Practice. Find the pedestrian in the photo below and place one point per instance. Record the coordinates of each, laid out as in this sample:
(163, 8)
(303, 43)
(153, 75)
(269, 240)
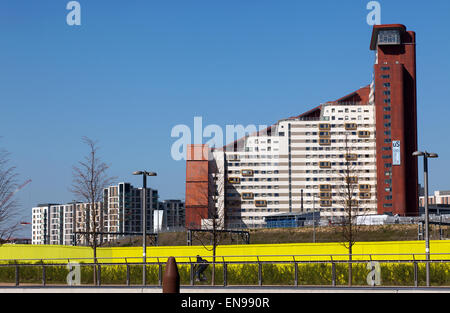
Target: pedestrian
(201, 265)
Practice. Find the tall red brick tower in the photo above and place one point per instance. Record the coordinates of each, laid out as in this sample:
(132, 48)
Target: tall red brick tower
(396, 119)
(197, 176)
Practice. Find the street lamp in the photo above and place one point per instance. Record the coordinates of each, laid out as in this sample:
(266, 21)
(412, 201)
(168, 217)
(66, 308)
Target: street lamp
(426, 155)
(144, 220)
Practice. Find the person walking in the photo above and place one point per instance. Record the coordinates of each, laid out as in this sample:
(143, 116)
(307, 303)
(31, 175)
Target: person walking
(201, 265)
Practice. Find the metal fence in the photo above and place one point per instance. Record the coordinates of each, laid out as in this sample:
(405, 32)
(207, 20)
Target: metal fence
(282, 270)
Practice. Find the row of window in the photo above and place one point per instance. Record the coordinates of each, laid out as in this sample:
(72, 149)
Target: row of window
(238, 180)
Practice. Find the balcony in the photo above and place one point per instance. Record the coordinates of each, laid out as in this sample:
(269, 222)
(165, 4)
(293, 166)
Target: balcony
(260, 203)
(325, 195)
(247, 173)
(324, 134)
(364, 188)
(364, 134)
(234, 180)
(247, 195)
(351, 126)
(325, 164)
(364, 195)
(325, 142)
(325, 203)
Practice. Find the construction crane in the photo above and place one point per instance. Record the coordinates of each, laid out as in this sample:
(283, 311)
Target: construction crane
(14, 192)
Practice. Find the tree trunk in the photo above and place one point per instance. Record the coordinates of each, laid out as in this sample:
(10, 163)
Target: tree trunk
(213, 274)
(350, 272)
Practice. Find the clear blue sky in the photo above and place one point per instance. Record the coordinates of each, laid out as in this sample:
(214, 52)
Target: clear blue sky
(135, 69)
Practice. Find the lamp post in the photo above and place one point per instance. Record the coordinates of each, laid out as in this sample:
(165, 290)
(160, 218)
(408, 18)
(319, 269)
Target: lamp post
(426, 155)
(144, 220)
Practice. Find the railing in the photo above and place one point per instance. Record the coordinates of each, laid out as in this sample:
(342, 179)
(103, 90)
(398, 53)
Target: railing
(283, 270)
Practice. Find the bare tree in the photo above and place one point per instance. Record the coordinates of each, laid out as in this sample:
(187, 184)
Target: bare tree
(89, 180)
(8, 204)
(349, 187)
(213, 219)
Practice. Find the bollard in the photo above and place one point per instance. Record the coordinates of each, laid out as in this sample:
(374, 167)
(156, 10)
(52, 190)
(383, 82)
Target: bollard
(171, 278)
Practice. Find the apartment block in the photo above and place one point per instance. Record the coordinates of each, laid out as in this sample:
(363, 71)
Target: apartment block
(57, 224)
(123, 207)
(118, 215)
(439, 197)
(173, 214)
(298, 165)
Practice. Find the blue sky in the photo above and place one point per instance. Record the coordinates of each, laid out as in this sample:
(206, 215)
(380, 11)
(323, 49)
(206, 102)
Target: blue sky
(135, 69)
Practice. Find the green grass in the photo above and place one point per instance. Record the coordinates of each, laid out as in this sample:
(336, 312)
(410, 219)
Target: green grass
(296, 235)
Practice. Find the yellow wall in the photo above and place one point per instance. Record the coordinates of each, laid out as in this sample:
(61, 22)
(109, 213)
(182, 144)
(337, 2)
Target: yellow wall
(323, 250)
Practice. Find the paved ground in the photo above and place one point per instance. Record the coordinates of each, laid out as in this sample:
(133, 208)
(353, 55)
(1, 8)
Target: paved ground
(284, 290)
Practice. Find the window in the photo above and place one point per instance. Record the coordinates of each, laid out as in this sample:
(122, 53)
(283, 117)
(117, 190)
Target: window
(387, 117)
(325, 142)
(385, 76)
(234, 180)
(260, 203)
(385, 68)
(324, 126)
(387, 85)
(364, 187)
(364, 134)
(247, 172)
(352, 203)
(247, 195)
(324, 134)
(364, 195)
(325, 164)
(325, 203)
(325, 187)
(325, 195)
(351, 126)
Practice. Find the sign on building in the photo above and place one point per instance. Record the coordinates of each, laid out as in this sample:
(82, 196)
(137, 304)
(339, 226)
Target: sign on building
(396, 152)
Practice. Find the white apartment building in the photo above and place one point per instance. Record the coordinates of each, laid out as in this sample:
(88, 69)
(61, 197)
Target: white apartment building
(57, 224)
(439, 197)
(299, 166)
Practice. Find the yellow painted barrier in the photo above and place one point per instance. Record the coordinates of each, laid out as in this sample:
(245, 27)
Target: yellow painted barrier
(386, 250)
